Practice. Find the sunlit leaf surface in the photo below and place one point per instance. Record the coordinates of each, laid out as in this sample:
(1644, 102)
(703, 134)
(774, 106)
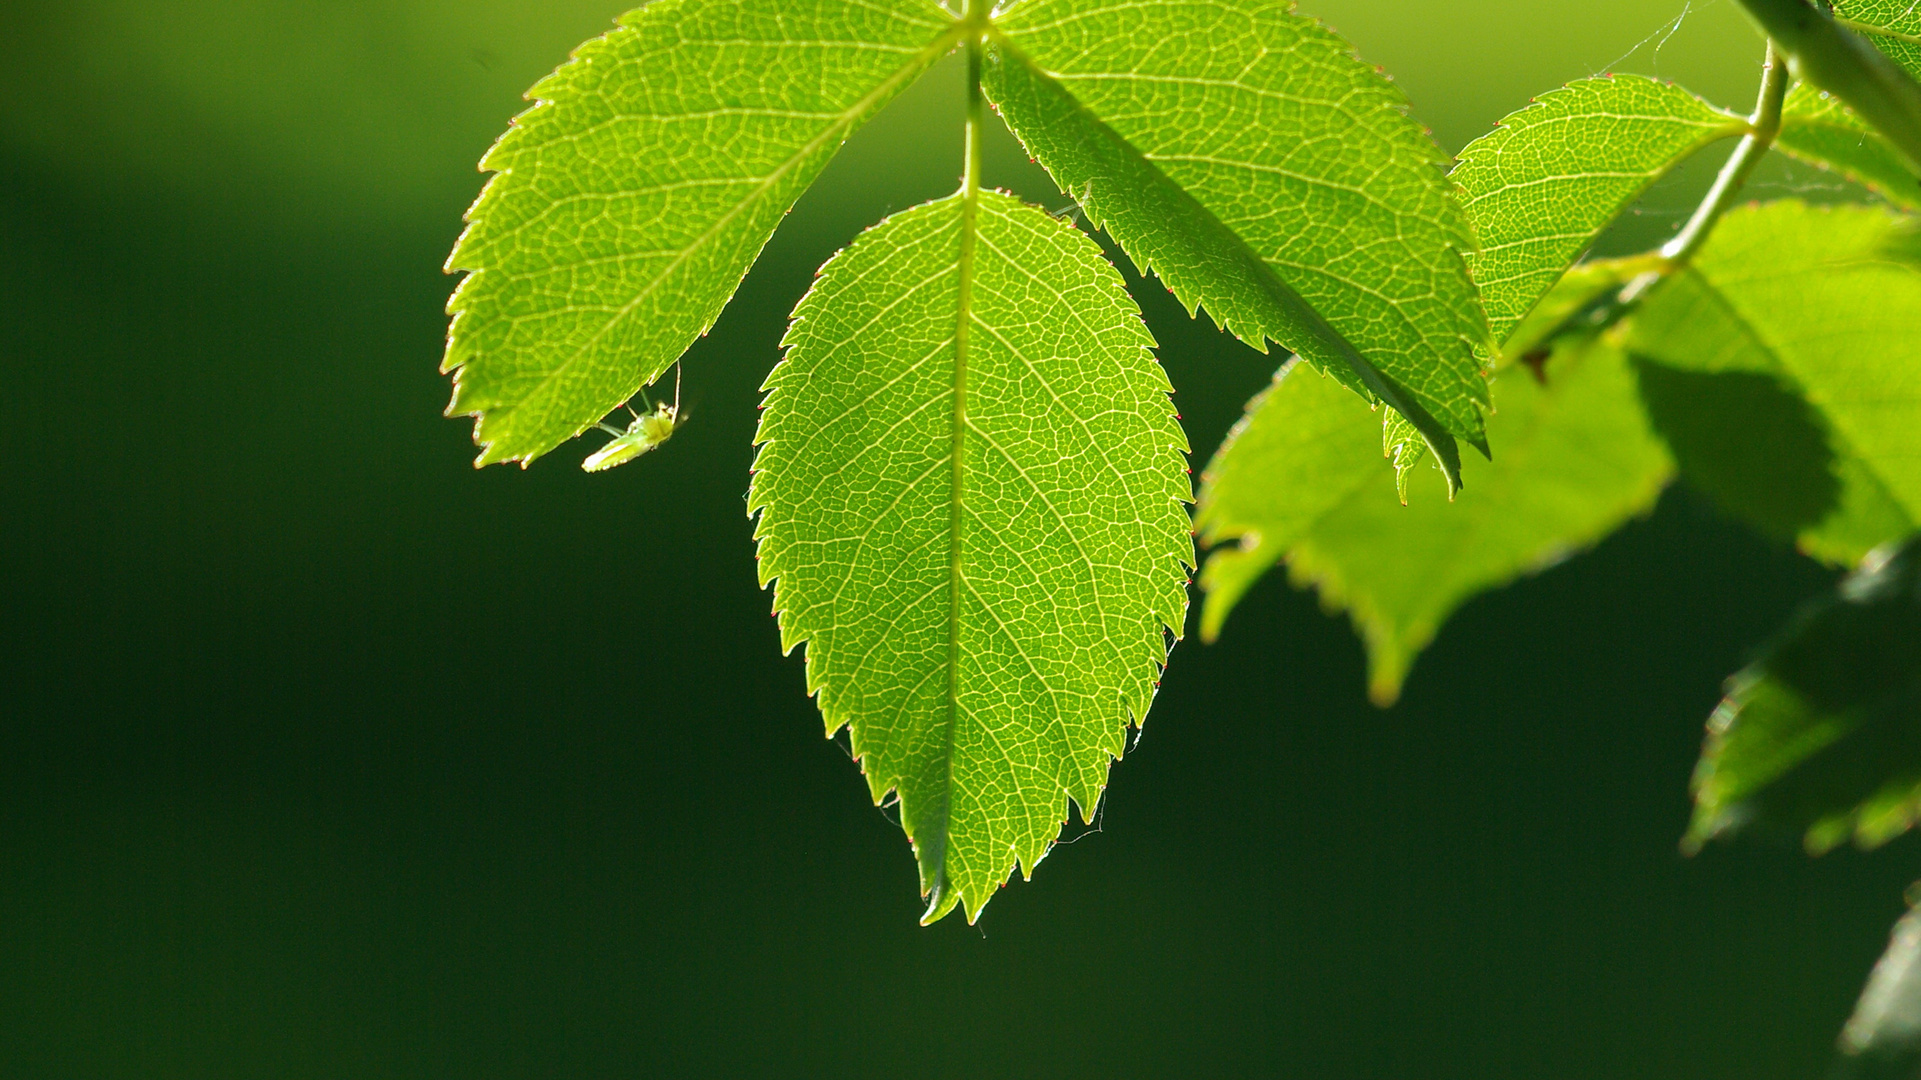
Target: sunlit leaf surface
(1784, 368)
(629, 201)
(1243, 154)
(1893, 25)
(1573, 460)
(1552, 176)
(984, 549)
(1817, 127)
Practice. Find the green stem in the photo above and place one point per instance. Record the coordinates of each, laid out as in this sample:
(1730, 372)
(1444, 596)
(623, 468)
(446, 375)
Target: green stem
(1842, 62)
(1763, 126)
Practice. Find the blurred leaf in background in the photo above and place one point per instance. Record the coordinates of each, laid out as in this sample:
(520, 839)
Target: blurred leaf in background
(1822, 733)
(1882, 1039)
(1574, 461)
(1784, 370)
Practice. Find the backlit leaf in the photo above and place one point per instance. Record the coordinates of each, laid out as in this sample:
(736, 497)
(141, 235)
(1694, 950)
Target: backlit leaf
(984, 549)
(1817, 127)
(1784, 369)
(1552, 176)
(1243, 154)
(1574, 459)
(1893, 25)
(629, 201)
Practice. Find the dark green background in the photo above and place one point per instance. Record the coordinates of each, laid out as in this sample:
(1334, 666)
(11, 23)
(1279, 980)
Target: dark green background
(326, 756)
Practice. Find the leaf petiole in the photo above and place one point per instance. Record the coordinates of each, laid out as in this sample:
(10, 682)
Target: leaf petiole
(1763, 126)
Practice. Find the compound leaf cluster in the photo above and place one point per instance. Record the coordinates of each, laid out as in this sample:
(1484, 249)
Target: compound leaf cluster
(1777, 368)
(970, 484)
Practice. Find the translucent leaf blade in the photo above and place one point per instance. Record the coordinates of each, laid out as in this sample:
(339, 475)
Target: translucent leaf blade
(1574, 461)
(627, 204)
(1785, 370)
(1297, 155)
(1303, 449)
(1893, 25)
(1552, 176)
(987, 632)
(1816, 127)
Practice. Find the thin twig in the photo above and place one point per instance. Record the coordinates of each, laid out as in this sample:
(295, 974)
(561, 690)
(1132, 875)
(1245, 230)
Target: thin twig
(1763, 126)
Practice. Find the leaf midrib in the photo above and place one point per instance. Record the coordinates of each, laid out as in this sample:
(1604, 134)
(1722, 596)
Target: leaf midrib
(957, 446)
(1872, 30)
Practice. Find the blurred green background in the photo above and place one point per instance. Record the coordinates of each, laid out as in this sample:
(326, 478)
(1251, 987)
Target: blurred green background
(325, 755)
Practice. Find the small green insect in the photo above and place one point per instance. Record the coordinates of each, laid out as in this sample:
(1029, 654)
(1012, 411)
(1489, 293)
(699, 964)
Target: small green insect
(649, 429)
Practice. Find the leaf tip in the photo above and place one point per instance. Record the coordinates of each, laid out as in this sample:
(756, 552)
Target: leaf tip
(941, 900)
(1384, 690)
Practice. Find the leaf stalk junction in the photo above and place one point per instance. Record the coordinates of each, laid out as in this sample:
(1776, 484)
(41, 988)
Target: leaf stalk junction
(1763, 127)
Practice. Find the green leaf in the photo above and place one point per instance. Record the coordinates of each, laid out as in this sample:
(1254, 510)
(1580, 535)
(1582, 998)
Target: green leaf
(1404, 449)
(1885, 1028)
(1893, 25)
(983, 544)
(1552, 176)
(1784, 369)
(1244, 155)
(1822, 733)
(630, 200)
(1816, 127)
(1295, 481)
(1761, 453)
